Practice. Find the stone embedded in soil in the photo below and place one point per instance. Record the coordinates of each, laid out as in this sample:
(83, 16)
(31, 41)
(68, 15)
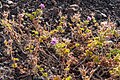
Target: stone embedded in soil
(1, 5)
(74, 5)
(39, 78)
(99, 16)
(118, 23)
(10, 2)
(108, 7)
(104, 15)
(7, 1)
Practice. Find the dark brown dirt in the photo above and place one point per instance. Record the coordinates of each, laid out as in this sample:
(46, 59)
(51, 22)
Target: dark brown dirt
(108, 7)
(85, 7)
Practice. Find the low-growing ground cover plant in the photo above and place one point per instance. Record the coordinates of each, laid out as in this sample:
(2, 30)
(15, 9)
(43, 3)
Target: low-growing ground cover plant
(69, 49)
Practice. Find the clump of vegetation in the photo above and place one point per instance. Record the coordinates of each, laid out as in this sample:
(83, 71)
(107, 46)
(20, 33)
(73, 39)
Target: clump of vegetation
(72, 49)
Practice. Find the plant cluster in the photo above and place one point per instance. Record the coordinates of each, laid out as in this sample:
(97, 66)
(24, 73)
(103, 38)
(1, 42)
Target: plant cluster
(69, 49)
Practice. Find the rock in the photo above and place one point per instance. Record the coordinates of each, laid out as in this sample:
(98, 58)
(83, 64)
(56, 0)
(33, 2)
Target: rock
(74, 7)
(1, 39)
(104, 15)
(5, 7)
(118, 23)
(54, 11)
(30, 10)
(10, 2)
(7, 1)
(14, 11)
(100, 15)
(1, 5)
(39, 78)
(110, 6)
